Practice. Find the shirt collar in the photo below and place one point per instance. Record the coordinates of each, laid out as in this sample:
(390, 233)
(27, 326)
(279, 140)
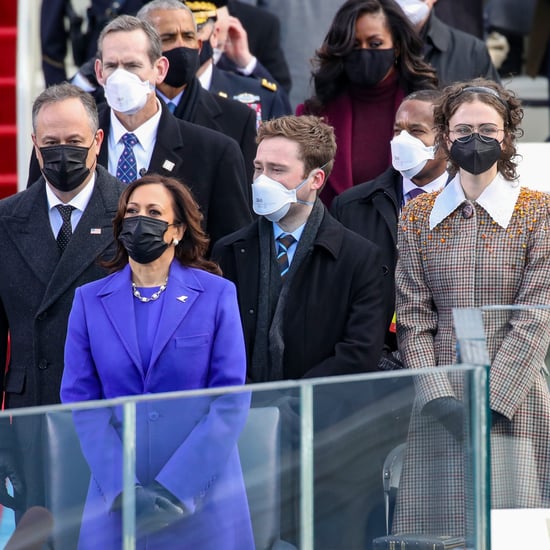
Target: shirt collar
(175, 100)
(145, 134)
(297, 233)
(498, 199)
(79, 201)
(206, 77)
(435, 185)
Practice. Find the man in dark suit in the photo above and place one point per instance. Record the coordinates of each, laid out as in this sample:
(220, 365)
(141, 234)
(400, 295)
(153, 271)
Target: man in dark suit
(372, 209)
(73, 203)
(130, 65)
(454, 54)
(310, 295)
(182, 91)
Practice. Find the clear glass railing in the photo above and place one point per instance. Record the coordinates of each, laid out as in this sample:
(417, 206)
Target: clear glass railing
(515, 341)
(334, 463)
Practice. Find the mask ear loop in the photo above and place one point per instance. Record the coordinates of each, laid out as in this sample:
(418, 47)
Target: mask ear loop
(309, 203)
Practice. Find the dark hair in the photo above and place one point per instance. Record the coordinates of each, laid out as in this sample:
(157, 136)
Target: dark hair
(329, 78)
(192, 249)
(505, 103)
(62, 92)
(315, 139)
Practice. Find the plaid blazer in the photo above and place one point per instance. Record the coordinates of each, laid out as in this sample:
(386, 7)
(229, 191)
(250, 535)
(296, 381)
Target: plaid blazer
(469, 262)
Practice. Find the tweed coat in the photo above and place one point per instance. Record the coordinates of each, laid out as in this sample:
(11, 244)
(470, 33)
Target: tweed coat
(37, 286)
(470, 260)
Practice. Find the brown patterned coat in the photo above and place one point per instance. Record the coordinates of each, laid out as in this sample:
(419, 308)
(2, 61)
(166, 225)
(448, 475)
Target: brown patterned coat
(470, 262)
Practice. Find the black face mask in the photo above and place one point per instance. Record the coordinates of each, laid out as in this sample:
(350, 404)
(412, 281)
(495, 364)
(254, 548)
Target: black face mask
(65, 165)
(184, 63)
(476, 156)
(368, 67)
(206, 53)
(143, 238)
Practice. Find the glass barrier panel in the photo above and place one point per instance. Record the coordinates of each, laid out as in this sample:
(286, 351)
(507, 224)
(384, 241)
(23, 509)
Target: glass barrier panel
(324, 463)
(516, 340)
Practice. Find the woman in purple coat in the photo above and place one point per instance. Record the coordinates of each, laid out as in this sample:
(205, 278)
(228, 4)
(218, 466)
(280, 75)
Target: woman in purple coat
(163, 321)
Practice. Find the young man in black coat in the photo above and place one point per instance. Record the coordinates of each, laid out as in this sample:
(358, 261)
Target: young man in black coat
(310, 296)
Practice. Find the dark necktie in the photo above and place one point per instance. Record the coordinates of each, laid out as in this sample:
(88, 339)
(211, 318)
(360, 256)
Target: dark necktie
(283, 243)
(413, 193)
(66, 231)
(127, 167)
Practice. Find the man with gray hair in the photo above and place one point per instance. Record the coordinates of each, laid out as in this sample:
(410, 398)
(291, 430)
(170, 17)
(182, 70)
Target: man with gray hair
(50, 238)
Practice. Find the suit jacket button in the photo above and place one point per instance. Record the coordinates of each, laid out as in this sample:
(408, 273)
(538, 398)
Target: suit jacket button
(153, 416)
(251, 311)
(242, 250)
(43, 364)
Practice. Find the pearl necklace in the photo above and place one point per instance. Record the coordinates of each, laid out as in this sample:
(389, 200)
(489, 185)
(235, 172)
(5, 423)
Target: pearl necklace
(154, 296)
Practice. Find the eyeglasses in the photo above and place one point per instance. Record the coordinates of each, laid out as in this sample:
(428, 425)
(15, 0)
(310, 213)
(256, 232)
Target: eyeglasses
(465, 132)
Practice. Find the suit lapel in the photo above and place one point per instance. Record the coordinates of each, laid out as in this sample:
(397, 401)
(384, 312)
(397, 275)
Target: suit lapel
(30, 230)
(181, 292)
(105, 125)
(169, 147)
(118, 301)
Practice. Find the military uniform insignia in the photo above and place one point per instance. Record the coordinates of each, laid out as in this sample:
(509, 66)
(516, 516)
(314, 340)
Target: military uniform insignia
(271, 86)
(223, 94)
(246, 97)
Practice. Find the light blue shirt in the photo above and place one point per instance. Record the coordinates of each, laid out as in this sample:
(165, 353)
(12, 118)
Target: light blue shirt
(297, 234)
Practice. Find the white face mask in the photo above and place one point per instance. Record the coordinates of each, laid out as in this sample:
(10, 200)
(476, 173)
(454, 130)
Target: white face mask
(409, 155)
(415, 10)
(272, 199)
(125, 92)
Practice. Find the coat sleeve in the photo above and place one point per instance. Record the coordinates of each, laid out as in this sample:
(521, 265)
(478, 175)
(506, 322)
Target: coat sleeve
(6, 434)
(417, 318)
(202, 457)
(520, 358)
(360, 347)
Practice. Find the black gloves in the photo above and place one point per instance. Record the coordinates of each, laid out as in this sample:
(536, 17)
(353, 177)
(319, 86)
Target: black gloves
(8, 470)
(449, 412)
(156, 508)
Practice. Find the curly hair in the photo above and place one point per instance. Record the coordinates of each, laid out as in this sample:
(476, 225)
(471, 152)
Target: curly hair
(504, 102)
(329, 78)
(315, 139)
(191, 250)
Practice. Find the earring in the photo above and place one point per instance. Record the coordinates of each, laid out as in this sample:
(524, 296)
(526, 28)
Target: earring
(175, 242)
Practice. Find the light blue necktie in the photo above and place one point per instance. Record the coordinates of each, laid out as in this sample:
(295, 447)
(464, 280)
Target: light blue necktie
(171, 106)
(126, 170)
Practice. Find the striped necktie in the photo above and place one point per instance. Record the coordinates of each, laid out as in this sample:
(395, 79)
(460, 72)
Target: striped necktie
(284, 242)
(413, 193)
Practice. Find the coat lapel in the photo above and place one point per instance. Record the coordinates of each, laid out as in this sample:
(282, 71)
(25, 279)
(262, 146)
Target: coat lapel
(30, 230)
(92, 236)
(117, 299)
(182, 291)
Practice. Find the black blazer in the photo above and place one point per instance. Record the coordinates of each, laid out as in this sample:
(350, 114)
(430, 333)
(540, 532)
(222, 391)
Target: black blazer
(231, 118)
(333, 322)
(264, 39)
